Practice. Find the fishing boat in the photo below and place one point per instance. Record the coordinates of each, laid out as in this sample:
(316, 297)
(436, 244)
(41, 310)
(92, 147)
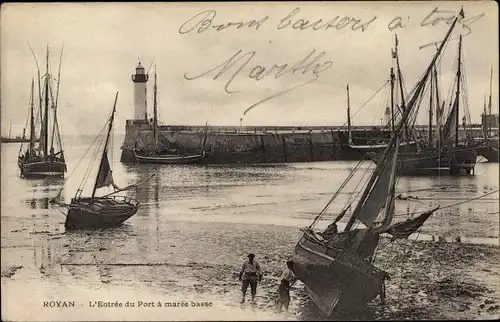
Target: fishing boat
(443, 153)
(106, 211)
(489, 148)
(360, 148)
(161, 155)
(47, 158)
(337, 268)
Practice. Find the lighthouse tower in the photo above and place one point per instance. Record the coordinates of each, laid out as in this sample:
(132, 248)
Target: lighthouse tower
(387, 116)
(140, 78)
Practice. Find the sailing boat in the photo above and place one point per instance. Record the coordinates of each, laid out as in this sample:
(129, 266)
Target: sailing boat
(358, 151)
(445, 154)
(161, 155)
(490, 146)
(40, 161)
(101, 212)
(337, 268)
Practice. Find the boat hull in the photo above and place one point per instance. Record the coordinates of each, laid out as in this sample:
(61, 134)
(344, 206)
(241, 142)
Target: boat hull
(42, 168)
(335, 278)
(432, 162)
(489, 150)
(360, 152)
(169, 158)
(100, 213)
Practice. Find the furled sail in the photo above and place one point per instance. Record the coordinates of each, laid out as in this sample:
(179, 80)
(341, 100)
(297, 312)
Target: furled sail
(449, 127)
(406, 228)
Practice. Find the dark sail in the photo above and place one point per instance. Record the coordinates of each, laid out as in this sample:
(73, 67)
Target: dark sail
(449, 127)
(104, 177)
(406, 228)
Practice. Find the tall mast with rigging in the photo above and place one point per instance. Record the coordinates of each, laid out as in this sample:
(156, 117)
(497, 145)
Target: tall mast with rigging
(489, 101)
(46, 114)
(349, 135)
(32, 117)
(104, 157)
(457, 94)
(413, 100)
(400, 81)
(155, 112)
(430, 109)
(392, 99)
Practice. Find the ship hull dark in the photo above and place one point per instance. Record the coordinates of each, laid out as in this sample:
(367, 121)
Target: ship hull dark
(335, 279)
(432, 162)
(102, 213)
(489, 150)
(40, 169)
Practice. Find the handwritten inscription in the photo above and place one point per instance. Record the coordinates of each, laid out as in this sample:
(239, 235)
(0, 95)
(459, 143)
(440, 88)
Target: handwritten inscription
(437, 16)
(205, 20)
(337, 22)
(312, 65)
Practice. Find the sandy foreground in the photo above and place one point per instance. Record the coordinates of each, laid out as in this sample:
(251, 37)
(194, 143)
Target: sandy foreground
(197, 263)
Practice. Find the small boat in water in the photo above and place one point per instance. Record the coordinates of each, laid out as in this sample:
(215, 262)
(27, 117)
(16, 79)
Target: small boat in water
(42, 161)
(159, 154)
(337, 268)
(168, 158)
(100, 212)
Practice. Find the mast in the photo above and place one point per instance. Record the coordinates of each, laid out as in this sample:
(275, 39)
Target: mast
(39, 87)
(54, 102)
(438, 102)
(430, 109)
(32, 117)
(457, 95)
(155, 117)
(392, 99)
(411, 102)
(489, 101)
(105, 151)
(46, 116)
(10, 129)
(400, 81)
(349, 137)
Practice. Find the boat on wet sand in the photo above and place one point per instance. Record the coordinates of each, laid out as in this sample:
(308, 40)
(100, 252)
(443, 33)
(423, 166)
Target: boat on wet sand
(96, 212)
(337, 268)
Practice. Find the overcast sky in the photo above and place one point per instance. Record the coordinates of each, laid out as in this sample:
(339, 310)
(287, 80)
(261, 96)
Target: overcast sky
(104, 42)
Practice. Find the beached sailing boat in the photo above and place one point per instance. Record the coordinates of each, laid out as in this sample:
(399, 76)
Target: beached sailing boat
(337, 268)
(156, 154)
(445, 153)
(42, 161)
(100, 212)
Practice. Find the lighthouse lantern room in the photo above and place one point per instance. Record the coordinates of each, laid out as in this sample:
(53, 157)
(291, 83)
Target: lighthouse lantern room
(140, 78)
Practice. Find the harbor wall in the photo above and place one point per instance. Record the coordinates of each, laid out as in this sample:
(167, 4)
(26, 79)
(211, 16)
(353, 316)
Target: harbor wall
(233, 145)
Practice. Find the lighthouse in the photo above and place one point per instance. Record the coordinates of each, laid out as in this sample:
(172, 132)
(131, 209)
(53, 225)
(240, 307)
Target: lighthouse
(140, 78)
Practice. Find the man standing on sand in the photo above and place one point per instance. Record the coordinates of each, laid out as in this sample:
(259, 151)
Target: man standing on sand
(250, 275)
(287, 279)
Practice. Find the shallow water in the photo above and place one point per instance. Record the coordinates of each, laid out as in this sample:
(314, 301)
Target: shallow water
(195, 227)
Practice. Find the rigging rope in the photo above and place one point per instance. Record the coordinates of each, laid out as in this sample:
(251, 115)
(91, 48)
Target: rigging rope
(364, 104)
